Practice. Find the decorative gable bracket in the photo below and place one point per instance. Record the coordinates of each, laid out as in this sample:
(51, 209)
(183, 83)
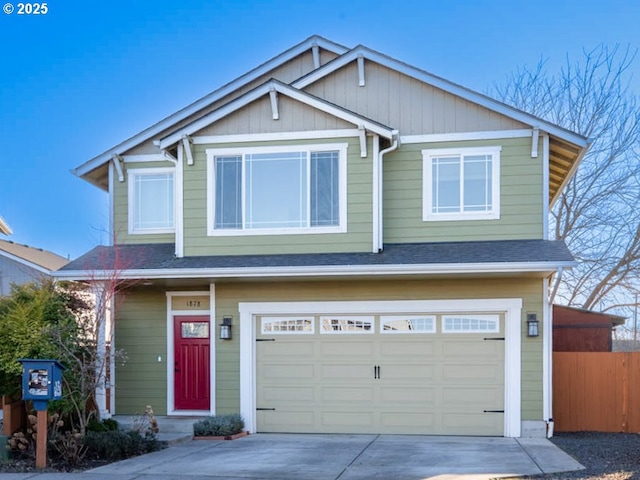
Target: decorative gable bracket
(117, 159)
(187, 143)
(534, 142)
(273, 96)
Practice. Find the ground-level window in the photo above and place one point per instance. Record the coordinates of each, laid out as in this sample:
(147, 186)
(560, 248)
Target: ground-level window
(461, 184)
(271, 190)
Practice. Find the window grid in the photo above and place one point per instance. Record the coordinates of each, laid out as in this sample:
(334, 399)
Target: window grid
(293, 325)
(471, 324)
(151, 201)
(408, 324)
(346, 325)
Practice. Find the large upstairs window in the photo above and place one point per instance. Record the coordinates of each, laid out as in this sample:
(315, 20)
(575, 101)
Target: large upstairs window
(151, 200)
(461, 184)
(273, 190)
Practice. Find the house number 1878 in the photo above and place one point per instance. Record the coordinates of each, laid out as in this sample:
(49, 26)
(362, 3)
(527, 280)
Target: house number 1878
(193, 303)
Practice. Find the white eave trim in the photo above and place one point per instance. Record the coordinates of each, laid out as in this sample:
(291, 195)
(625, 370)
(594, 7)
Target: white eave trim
(214, 96)
(442, 84)
(323, 271)
(267, 89)
(463, 136)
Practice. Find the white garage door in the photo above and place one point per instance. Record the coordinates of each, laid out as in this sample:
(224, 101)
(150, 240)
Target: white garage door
(437, 374)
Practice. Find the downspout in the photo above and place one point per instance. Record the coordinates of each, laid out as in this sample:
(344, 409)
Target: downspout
(378, 242)
(547, 361)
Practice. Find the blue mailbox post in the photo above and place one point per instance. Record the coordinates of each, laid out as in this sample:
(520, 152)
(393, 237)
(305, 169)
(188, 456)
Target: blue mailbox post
(41, 381)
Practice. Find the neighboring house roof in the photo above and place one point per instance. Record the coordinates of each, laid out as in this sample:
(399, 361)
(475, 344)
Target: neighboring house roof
(37, 258)
(159, 261)
(566, 148)
(4, 228)
(589, 316)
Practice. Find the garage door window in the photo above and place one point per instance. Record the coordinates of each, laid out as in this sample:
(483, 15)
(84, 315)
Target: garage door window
(471, 324)
(407, 324)
(287, 325)
(337, 325)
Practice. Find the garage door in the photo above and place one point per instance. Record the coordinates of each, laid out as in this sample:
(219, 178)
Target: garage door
(430, 374)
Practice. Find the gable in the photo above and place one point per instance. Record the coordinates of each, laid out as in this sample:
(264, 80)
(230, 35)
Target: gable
(407, 104)
(256, 117)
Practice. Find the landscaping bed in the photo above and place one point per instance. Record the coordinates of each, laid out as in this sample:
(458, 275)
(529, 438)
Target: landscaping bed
(605, 456)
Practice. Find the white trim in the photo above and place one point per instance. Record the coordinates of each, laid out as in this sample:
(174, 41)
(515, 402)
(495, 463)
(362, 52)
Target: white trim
(144, 158)
(376, 194)
(273, 97)
(534, 142)
(263, 90)
(320, 271)
(112, 211)
(361, 80)
(275, 136)
(547, 353)
(463, 136)
(212, 349)
(442, 84)
(545, 186)
(212, 97)
(427, 180)
(178, 207)
(510, 307)
(171, 353)
(242, 151)
(131, 204)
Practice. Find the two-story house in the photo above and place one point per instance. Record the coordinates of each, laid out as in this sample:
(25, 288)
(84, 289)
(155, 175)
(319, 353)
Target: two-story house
(337, 241)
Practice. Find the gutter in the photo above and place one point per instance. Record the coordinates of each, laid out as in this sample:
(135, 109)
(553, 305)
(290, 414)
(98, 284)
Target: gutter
(318, 271)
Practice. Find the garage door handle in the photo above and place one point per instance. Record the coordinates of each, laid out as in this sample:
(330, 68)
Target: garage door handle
(376, 371)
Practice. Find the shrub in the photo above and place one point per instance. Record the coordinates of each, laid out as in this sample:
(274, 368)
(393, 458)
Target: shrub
(116, 444)
(219, 425)
(105, 425)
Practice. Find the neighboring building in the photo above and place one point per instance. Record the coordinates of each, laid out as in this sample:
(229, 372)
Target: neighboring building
(578, 330)
(4, 228)
(372, 236)
(23, 264)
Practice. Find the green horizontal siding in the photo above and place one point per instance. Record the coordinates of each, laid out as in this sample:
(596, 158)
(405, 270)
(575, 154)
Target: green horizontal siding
(359, 211)
(121, 212)
(521, 202)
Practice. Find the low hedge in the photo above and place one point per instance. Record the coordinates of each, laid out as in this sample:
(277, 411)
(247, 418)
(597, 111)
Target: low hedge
(219, 425)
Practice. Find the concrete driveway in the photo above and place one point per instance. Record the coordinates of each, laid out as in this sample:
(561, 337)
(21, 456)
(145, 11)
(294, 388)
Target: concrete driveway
(332, 457)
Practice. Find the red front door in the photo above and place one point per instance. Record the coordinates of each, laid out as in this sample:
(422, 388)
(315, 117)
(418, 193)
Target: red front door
(191, 347)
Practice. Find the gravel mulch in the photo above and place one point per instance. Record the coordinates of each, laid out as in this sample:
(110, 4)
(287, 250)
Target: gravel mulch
(606, 456)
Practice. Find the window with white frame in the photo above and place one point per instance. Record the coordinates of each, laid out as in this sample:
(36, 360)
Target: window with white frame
(471, 324)
(408, 324)
(461, 184)
(267, 190)
(151, 200)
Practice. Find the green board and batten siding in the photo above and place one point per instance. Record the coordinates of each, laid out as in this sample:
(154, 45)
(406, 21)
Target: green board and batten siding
(521, 202)
(359, 211)
(141, 331)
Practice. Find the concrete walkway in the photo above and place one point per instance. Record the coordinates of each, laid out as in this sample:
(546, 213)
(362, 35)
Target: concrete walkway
(333, 457)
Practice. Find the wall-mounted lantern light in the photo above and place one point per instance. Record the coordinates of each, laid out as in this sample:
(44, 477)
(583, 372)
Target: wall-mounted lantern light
(532, 325)
(225, 328)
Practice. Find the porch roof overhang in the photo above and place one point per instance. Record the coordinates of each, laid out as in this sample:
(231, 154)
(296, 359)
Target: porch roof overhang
(538, 258)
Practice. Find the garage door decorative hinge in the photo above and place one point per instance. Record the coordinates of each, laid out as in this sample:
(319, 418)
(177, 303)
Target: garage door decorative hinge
(265, 339)
(263, 409)
(493, 411)
(494, 338)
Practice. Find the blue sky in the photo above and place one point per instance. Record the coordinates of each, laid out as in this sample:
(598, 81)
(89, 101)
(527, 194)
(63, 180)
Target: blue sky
(88, 75)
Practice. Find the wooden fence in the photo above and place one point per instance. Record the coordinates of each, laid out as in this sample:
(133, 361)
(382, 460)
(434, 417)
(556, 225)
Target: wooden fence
(596, 391)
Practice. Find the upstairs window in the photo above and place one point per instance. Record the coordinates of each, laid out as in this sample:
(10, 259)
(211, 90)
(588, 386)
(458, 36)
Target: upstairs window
(461, 184)
(270, 190)
(151, 200)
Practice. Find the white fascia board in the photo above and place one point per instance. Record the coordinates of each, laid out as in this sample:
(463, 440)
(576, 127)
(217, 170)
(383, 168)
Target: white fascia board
(265, 89)
(199, 104)
(462, 136)
(322, 271)
(275, 136)
(442, 84)
(24, 262)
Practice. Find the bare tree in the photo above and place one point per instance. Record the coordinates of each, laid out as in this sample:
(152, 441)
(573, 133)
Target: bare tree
(597, 214)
